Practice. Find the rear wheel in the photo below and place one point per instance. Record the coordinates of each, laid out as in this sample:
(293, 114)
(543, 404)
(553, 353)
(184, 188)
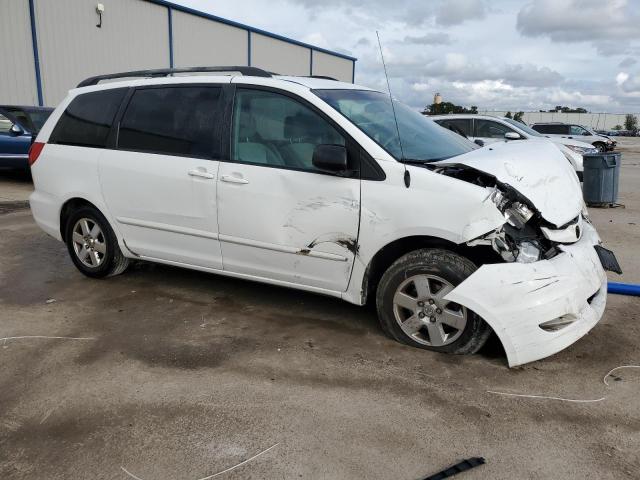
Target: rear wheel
(92, 244)
(412, 309)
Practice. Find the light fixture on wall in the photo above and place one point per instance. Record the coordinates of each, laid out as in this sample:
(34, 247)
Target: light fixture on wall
(99, 11)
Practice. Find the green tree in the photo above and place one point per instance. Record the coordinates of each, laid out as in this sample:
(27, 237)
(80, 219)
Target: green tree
(445, 108)
(630, 122)
(518, 117)
(618, 127)
(508, 115)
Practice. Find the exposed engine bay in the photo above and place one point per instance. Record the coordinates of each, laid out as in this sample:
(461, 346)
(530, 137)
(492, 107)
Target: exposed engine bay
(526, 236)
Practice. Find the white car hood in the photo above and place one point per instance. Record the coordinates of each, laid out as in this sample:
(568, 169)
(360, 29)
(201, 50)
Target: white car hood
(537, 170)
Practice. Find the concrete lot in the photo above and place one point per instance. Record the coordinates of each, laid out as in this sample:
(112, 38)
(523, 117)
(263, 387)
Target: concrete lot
(182, 374)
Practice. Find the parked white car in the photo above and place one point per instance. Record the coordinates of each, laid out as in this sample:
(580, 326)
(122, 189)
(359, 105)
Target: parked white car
(303, 183)
(569, 131)
(488, 129)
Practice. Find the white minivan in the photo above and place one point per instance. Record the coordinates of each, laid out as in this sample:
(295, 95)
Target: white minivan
(309, 183)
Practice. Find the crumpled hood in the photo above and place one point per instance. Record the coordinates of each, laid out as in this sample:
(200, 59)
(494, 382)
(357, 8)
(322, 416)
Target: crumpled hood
(536, 169)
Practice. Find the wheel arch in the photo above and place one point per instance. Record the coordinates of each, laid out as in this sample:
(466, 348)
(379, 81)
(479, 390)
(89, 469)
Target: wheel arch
(392, 251)
(68, 207)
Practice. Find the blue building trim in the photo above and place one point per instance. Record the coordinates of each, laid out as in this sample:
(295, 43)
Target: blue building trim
(249, 48)
(36, 57)
(208, 16)
(311, 61)
(170, 17)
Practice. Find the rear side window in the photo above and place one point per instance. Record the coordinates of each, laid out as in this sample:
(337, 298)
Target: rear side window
(552, 129)
(171, 121)
(461, 126)
(88, 118)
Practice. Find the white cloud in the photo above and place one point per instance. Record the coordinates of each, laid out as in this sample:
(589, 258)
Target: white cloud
(610, 25)
(455, 12)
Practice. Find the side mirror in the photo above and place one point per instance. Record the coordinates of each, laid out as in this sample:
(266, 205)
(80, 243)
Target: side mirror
(512, 136)
(330, 157)
(479, 142)
(16, 130)
(586, 134)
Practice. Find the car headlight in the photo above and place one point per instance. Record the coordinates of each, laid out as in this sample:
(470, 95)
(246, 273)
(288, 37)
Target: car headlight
(517, 214)
(582, 150)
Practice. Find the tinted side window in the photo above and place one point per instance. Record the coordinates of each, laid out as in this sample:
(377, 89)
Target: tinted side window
(5, 125)
(541, 128)
(490, 129)
(87, 119)
(578, 130)
(559, 129)
(273, 129)
(171, 121)
(459, 125)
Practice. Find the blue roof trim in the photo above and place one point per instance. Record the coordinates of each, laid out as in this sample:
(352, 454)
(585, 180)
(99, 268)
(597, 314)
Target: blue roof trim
(209, 16)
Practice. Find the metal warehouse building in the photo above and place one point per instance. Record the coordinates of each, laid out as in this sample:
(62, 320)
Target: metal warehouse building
(48, 46)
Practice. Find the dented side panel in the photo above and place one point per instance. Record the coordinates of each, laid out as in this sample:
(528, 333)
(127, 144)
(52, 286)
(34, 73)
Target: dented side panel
(293, 226)
(434, 206)
(515, 299)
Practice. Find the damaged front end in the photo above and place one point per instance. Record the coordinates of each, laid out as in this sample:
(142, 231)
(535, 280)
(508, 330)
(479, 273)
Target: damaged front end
(525, 237)
(550, 289)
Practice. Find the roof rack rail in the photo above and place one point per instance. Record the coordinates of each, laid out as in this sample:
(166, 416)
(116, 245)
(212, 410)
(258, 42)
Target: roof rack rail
(323, 77)
(165, 72)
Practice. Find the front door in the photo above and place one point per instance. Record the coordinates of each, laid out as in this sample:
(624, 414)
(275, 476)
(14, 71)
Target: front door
(160, 182)
(490, 131)
(280, 217)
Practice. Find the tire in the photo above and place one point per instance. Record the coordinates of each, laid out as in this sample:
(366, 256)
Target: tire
(600, 146)
(95, 252)
(425, 276)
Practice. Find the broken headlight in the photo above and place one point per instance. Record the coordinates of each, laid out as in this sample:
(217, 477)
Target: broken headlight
(516, 213)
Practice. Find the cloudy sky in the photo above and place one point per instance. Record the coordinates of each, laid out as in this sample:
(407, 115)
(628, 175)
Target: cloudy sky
(497, 54)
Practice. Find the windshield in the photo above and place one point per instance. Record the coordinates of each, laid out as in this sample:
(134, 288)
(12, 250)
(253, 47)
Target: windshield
(525, 128)
(422, 139)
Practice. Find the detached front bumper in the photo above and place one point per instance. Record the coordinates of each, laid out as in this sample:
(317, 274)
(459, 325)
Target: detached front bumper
(515, 299)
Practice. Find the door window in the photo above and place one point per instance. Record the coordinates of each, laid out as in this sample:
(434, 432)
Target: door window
(490, 129)
(87, 120)
(577, 130)
(461, 126)
(273, 129)
(171, 121)
(5, 125)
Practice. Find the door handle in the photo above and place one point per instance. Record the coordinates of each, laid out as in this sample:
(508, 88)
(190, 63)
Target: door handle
(200, 173)
(233, 179)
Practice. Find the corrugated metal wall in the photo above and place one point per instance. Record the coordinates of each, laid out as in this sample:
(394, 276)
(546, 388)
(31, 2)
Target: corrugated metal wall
(134, 35)
(278, 56)
(598, 121)
(332, 66)
(198, 41)
(17, 73)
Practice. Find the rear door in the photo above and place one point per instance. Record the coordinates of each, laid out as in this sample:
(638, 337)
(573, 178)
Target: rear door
(280, 217)
(160, 181)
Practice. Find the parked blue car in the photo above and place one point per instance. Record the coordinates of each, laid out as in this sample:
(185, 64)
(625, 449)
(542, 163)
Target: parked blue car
(18, 127)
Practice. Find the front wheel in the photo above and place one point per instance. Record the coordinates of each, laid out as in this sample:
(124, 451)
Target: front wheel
(92, 245)
(412, 309)
(601, 147)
